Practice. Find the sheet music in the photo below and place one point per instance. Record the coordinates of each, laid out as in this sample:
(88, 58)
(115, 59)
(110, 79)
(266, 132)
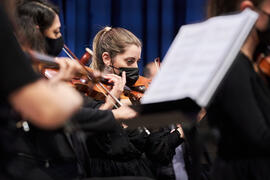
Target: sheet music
(199, 57)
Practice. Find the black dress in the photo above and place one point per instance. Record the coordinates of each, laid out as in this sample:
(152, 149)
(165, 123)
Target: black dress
(126, 152)
(241, 112)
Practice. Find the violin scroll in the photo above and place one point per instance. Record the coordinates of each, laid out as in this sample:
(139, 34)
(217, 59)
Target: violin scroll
(85, 59)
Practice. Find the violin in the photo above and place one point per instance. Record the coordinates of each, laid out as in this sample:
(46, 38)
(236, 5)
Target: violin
(134, 93)
(85, 81)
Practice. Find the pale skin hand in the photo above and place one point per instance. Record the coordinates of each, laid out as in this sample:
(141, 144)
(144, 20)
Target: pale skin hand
(118, 88)
(46, 105)
(124, 113)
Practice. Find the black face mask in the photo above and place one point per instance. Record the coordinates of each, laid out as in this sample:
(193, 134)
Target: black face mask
(54, 46)
(132, 74)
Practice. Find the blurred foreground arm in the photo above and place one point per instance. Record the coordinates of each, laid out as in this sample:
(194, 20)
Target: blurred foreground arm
(45, 105)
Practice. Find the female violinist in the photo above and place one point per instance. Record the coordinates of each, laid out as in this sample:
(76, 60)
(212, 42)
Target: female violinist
(124, 151)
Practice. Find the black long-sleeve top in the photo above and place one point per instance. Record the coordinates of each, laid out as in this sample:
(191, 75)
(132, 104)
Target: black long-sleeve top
(124, 152)
(241, 112)
(124, 144)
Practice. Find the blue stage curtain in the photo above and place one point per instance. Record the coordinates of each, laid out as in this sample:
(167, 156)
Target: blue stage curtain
(155, 22)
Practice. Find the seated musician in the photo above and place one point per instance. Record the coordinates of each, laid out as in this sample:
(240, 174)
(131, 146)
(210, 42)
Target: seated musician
(125, 151)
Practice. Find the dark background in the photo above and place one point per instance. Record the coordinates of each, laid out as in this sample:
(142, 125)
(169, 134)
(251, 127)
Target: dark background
(155, 22)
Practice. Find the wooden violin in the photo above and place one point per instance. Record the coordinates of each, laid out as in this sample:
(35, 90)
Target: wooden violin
(85, 81)
(134, 93)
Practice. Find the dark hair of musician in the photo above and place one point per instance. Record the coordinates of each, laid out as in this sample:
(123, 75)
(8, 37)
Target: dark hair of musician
(220, 7)
(34, 18)
(43, 13)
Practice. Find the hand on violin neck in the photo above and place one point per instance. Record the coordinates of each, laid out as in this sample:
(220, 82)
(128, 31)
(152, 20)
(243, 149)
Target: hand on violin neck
(68, 69)
(118, 83)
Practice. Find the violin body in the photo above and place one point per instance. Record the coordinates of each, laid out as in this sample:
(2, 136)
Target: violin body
(81, 82)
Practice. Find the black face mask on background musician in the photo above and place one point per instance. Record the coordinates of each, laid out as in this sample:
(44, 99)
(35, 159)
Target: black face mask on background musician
(54, 46)
(132, 74)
